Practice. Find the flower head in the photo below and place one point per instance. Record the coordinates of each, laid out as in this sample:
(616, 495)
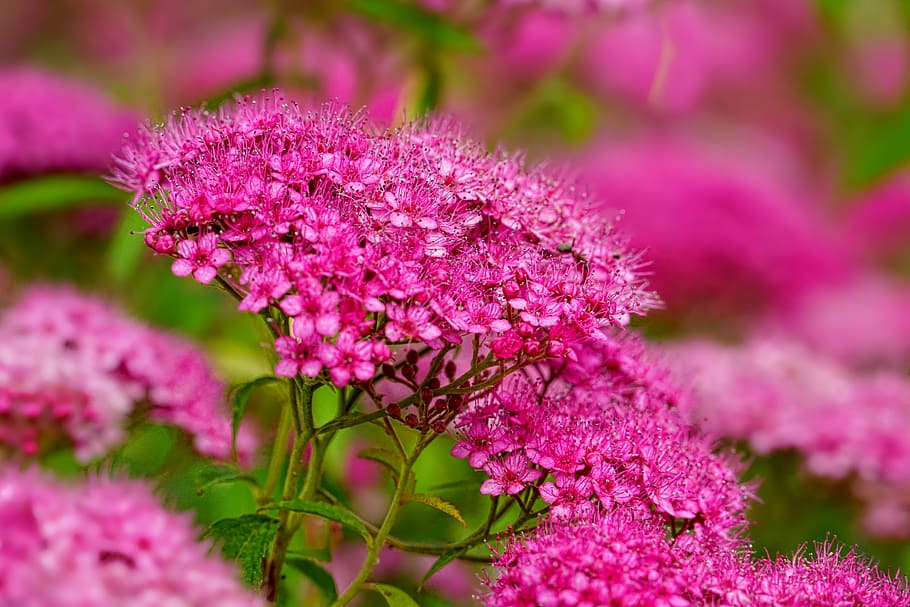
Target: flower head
(610, 438)
(104, 543)
(365, 236)
(50, 123)
(74, 368)
(612, 559)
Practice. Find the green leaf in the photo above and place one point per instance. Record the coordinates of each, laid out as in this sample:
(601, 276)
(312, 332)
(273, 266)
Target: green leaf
(408, 17)
(395, 597)
(439, 504)
(386, 457)
(326, 511)
(127, 246)
(55, 192)
(239, 403)
(467, 483)
(444, 559)
(248, 540)
(210, 476)
(321, 578)
(311, 554)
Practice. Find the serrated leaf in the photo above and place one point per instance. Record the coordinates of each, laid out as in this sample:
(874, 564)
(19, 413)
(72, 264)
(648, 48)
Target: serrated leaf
(388, 458)
(444, 559)
(321, 578)
(55, 192)
(409, 17)
(439, 504)
(210, 476)
(395, 597)
(239, 404)
(326, 511)
(126, 247)
(248, 540)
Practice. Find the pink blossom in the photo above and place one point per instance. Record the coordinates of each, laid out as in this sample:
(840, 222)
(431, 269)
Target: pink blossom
(779, 394)
(606, 430)
(509, 475)
(878, 221)
(201, 258)
(366, 237)
(103, 543)
(51, 123)
(725, 230)
(74, 368)
(613, 559)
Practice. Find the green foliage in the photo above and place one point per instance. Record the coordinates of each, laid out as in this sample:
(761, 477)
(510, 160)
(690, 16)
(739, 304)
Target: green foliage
(444, 559)
(126, 247)
(395, 597)
(248, 540)
(241, 400)
(210, 476)
(328, 512)
(54, 193)
(317, 574)
(408, 17)
(439, 504)
(388, 458)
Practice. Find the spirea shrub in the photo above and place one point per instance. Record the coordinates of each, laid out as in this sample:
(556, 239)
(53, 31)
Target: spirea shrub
(74, 370)
(441, 289)
(102, 543)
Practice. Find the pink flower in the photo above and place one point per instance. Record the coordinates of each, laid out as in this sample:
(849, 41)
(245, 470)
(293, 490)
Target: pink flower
(51, 123)
(410, 323)
(201, 258)
(104, 543)
(74, 368)
(348, 359)
(509, 475)
(606, 431)
(366, 236)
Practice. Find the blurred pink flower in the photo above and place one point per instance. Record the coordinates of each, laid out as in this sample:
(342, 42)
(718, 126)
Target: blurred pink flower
(104, 543)
(878, 223)
(864, 322)
(723, 228)
(880, 67)
(74, 368)
(779, 395)
(52, 123)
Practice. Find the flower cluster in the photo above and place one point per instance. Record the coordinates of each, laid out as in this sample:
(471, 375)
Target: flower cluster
(610, 440)
(103, 543)
(616, 559)
(49, 123)
(878, 222)
(609, 559)
(362, 238)
(780, 395)
(72, 367)
(881, 339)
(720, 228)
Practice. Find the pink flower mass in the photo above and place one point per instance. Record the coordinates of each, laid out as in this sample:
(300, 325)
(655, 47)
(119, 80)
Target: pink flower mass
(74, 368)
(104, 543)
(52, 123)
(366, 237)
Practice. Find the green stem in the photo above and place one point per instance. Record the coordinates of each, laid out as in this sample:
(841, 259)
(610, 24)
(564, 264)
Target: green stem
(278, 451)
(302, 406)
(382, 533)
